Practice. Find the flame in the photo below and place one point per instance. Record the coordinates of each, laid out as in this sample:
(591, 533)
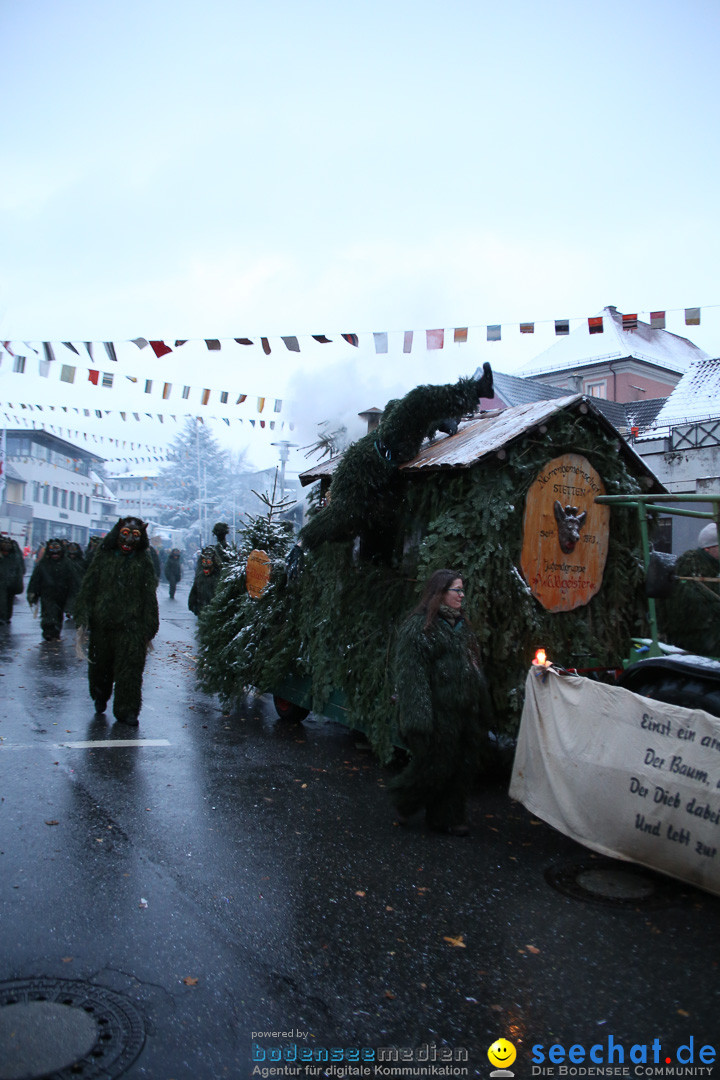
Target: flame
(540, 659)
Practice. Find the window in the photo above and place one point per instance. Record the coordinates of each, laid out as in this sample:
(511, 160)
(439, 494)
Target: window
(63, 499)
(72, 500)
(46, 494)
(56, 496)
(597, 389)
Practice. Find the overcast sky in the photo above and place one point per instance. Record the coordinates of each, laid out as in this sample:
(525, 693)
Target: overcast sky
(224, 169)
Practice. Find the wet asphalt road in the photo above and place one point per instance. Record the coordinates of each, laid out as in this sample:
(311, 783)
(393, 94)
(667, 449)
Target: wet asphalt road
(239, 875)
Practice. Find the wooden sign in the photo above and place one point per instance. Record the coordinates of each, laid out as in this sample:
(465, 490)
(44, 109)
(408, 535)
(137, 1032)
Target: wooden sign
(565, 534)
(257, 573)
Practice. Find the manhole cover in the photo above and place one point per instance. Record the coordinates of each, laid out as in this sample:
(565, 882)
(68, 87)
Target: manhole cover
(610, 883)
(58, 1029)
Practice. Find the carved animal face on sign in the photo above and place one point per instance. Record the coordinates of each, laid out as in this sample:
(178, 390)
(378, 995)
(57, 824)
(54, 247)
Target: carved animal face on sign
(569, 523)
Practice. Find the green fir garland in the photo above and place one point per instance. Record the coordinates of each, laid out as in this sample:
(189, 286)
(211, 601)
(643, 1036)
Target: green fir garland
(336, 623)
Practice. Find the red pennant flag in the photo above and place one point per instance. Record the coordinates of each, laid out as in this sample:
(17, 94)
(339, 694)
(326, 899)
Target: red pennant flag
(657, 320)
(595, 325)
(265, 346)
(352, 339)
(629, 322)
(160, 348)
(93, 377)
(241, 398)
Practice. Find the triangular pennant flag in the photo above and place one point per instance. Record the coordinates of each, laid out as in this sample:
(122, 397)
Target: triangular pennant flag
(243, 340)
(205, 397)
(292, 344)
(110, 350)
(89, 347)
(435, 339)
(160, 348)
(141, 342)
(493, 332)
(6, 346)
(93, 376)
(461, 333)
(241, 398)
(260, 404)
(595, 325)
(262, 423)
(527, 327)
(352, 339)
(48, 350)
(179, 343)
(562, 326)
(213, 344)
(265, 346)
(381, 342)
(69, 345)
(407, 341)
(629, 322)
(321, 338)
(692, 316)
(657, 320)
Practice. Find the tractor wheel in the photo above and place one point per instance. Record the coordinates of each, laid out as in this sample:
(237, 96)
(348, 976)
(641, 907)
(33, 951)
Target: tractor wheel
(288, 710)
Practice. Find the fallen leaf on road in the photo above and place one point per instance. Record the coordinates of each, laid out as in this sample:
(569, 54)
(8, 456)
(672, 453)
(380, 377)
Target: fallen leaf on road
(190, 981)
(456, 941)
(359, 892)
(532, 949)
(53, 822)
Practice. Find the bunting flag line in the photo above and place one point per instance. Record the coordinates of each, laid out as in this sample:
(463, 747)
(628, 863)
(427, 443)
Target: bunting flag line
(103, 414)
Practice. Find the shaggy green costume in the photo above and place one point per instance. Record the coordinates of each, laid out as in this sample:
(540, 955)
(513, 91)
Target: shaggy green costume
(445, 712)
(12, 569)
(117, 602)
(690, 617)
(74, 555)
(52, 583)
(367, 482)
(173, 570)
(206, 580)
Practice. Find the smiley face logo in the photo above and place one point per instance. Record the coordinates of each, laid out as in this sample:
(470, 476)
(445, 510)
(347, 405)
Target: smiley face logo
(502, 1053)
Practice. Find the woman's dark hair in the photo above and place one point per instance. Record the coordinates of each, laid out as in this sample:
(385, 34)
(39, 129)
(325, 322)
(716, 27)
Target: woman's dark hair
(435, 588)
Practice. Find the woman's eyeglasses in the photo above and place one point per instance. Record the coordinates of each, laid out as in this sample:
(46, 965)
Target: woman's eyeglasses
(460, 592)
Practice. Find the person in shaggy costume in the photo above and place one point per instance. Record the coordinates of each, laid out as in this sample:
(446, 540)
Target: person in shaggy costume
(117, 603)
(365, 483)
(12, 569)
(206, 580)
(173, 570)
(52, 583)
(444, 707)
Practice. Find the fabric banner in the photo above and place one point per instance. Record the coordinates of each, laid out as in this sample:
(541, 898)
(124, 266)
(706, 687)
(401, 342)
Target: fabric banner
(627, 776)
(494, 332)
(435, 339)
(407, 341)
(381, 342)
(657, 320)
(461, 334)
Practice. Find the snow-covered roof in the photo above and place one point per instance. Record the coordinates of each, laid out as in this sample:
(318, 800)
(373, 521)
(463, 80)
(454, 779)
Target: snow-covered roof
(494, 430)
(514, 390)
(581, 348)
(696, 397)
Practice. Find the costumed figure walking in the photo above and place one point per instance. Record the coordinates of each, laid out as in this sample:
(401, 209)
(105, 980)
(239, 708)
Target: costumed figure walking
(51, 582)
(173, 570)
(444, 707)
(12, 569)
(206, 580)
(117, 604)
(76, 559)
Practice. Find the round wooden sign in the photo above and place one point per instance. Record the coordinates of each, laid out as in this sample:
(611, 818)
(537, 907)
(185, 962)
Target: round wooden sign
(257, 573)
(565, 534)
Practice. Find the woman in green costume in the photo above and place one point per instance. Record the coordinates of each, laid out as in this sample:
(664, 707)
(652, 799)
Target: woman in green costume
(444, 707)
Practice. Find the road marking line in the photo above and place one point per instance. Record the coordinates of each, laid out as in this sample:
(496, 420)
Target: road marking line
(103, 743)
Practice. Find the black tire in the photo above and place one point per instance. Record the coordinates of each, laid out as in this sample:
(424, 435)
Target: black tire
(288, 710)
(663, 681)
